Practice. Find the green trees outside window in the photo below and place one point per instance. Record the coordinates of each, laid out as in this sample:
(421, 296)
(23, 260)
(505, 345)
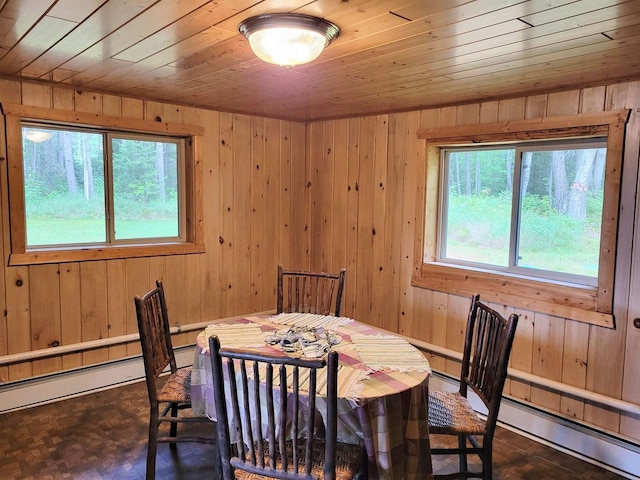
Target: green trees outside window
(525, 207)
(97, 187)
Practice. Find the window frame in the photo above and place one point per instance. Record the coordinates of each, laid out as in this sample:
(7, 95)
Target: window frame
(516, 215)
(590, 304)
(16, 115)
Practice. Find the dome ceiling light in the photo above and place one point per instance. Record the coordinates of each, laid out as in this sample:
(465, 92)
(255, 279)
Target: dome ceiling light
(288, 39)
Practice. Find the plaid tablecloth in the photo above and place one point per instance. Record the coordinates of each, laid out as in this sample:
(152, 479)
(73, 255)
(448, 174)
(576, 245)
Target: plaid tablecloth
(382, 400)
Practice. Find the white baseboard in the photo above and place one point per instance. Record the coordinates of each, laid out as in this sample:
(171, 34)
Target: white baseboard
(61, 386)
(590, 445)
(569, 437)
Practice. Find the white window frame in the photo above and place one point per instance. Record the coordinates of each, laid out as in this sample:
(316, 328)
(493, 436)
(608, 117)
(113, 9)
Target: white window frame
(519, 148)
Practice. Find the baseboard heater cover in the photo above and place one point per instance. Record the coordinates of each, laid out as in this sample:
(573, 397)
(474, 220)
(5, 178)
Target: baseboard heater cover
(72, 383)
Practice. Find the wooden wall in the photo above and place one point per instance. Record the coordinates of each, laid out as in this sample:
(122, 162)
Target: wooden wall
(362, 192)
(322, 196)
(248, 190)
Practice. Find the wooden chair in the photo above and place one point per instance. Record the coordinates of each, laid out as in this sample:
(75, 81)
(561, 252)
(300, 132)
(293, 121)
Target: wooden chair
(487, 347)
(262, 447)
(310, 292)
(175, 393)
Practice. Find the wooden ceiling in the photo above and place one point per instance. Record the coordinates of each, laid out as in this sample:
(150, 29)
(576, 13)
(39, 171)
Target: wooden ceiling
(390, 56)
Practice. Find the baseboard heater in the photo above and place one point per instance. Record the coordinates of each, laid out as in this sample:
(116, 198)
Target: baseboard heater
(81, 381)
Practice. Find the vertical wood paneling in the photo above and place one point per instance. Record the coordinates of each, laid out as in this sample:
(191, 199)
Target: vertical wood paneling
(9, 92)
(365, 220)
(88, 102)
(117, 301)
(132, 108)
(258, 212)
(456, 323)
(300, 201)
(574, 365)
(353, 206)
(285, 199)
(137, 284)
(176, 289)
(111, 105)
(383, 286)
(413, 155)
(93, 293)
(63, 99)
(317, 178)
(225, 186)
(18, 319)
(44, 295)
(513, 109)
(212, 207)
(37, 95)
(340, 196)
(192, 294)
(241, 285)
(630, 425)
(548, 339)
(535, 106)
(439, 320)
(327, 196)
(70, 311)
(522, 354)
(273, 220)
(154, 111)
(607, 347)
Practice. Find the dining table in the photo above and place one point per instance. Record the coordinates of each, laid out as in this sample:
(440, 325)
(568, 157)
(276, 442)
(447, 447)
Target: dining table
(383, 382)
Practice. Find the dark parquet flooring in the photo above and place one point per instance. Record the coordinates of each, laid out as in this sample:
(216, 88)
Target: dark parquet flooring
(103, 436)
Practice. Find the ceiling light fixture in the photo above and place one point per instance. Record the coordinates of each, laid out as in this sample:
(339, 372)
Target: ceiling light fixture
(288, 39)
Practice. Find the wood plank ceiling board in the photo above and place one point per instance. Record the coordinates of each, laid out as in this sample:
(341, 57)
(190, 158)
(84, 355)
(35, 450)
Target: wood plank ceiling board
(390, 56)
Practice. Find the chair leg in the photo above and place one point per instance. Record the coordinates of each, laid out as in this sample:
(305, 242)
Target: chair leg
(462, 444)
(173, 429)
(487, 462)
(152, 446)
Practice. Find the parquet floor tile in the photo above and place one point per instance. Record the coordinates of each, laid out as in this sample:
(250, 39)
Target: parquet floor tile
(104, 435)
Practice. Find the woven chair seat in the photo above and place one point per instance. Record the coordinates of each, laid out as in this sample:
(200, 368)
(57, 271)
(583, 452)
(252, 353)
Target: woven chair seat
(451, 413)
(348, 459)
(177, 388)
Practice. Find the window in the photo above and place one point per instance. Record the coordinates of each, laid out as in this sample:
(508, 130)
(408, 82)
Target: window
(531, 208)
(86, 187)
(524, 213)
(91, 187)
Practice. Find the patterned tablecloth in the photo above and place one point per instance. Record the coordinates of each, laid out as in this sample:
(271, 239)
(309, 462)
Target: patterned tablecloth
(383, 387)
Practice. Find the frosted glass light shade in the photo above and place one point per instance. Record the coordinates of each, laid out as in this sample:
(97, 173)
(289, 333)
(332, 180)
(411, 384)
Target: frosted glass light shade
(288, 39)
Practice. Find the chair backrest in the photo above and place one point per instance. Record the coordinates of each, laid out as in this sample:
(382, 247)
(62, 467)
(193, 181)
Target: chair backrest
(155, 335)
(275, 439)
(310, 292)
(487, 348)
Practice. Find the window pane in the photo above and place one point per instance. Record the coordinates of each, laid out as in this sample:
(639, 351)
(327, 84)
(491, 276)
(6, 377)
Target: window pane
(145, 187)
(63, 186)
(561, 210)
(478, 198)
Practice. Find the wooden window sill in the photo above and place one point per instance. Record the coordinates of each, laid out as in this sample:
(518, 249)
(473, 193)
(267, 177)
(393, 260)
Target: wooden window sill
(89, 253)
